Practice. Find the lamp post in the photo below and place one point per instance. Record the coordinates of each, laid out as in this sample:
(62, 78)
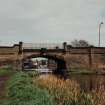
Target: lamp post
(99, 32)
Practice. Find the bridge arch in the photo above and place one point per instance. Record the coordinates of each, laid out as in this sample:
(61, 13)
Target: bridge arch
(60, 61)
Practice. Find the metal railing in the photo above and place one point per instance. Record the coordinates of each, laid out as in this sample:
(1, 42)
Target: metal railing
(42, 45)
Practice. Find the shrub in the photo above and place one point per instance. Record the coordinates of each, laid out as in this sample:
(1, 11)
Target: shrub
(22, 92)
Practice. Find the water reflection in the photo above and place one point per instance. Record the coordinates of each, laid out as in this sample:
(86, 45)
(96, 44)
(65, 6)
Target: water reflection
(89, 82)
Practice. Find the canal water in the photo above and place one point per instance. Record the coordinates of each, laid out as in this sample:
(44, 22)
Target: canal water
(89, 82)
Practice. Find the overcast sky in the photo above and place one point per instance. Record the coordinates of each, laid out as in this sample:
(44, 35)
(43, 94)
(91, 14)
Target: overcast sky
(51, 20)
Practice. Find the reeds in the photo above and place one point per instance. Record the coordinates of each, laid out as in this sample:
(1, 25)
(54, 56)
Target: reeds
(68, 92)
(64, 91)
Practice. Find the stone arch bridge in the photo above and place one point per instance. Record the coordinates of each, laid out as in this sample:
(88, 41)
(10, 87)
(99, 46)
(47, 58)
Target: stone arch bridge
(67, 57)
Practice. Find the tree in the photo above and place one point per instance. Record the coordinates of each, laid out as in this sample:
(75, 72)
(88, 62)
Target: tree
(80, 43)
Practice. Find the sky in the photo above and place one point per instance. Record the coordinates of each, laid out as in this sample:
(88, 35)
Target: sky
(57, 21)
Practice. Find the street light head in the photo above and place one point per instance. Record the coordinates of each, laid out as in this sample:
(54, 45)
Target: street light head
(102, 23)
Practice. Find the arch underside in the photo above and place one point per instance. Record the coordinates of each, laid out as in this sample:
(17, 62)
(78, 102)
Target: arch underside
(61, 64)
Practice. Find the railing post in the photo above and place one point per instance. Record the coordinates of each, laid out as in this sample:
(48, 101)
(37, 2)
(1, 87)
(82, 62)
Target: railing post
(20, 47)
(65, 46)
